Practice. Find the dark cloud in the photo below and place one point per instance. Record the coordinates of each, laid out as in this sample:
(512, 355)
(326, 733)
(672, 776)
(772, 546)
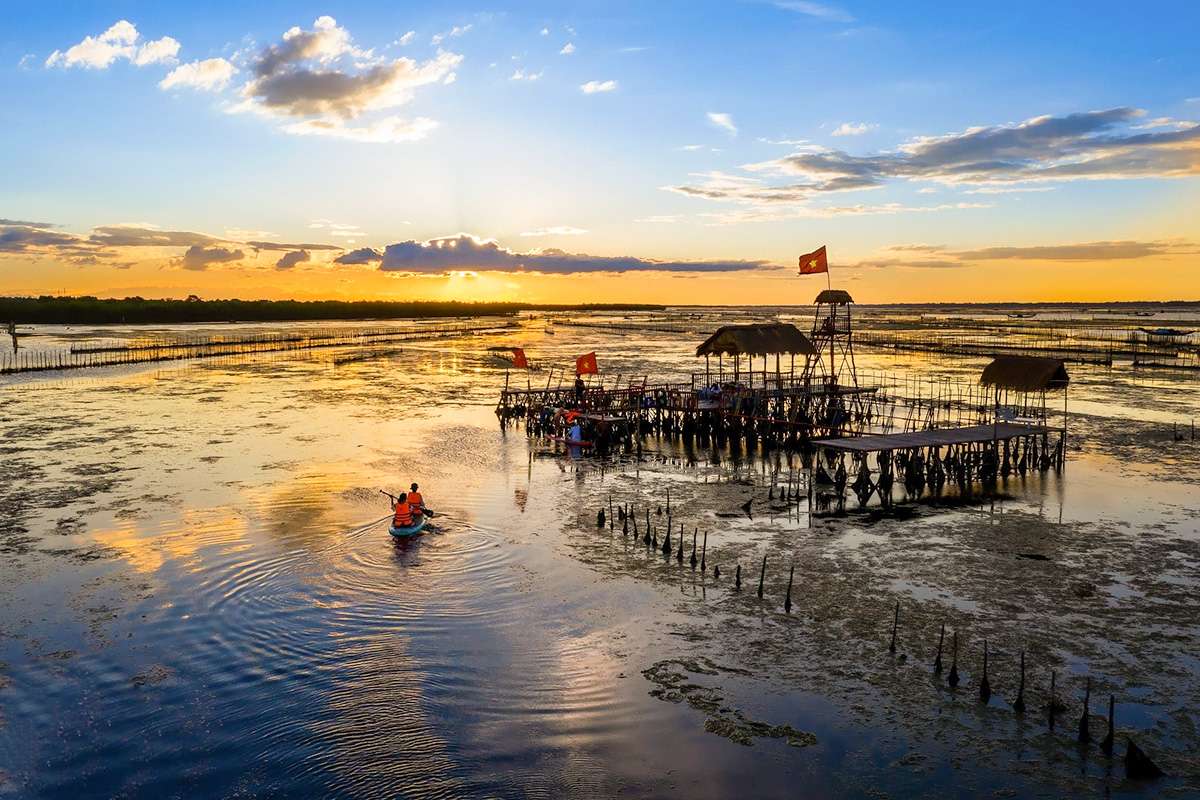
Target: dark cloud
(289, 260)
(283, 246)
(306, 77)
(299, 45)
(938, 257)
(26, 224)
(101, 245)
(305, 92)
(1089, 145)
(199, 258)
(1093, 144)
(1088, 251)
(468, 253)
(21, 238)
(364, 255)
(133, 236)
(909, 263)
(916, 248)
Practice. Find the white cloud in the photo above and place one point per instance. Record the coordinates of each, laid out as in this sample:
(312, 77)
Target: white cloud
(567, 49)
(660, 219)
(1009, 189)
(723, 121)
(1165, 122)
(26, 61)
(853, 128)
(386, 130)
(812, 9)
(341, 230)
(120, 41)
(159, 51)
(557, 230)
(407, 38)
(593, 87)
(692, 147)
(242, 234)
(98, 52)
(787, 142)
(522, 75)
(209, 75)
(453, 33)
(545, 31)
(778, 214)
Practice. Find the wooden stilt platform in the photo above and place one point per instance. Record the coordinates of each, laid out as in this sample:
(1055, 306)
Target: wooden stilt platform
(936, 437)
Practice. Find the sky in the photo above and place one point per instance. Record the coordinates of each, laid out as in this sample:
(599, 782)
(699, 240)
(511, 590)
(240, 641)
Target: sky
(666, 152)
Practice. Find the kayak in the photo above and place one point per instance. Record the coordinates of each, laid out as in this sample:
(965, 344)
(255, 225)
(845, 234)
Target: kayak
(411, 530)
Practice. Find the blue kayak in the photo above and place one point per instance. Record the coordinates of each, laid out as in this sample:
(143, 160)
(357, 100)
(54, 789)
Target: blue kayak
(411, 530)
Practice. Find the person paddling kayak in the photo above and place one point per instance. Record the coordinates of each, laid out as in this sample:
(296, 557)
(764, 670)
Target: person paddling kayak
(402, 512)
(415, 501)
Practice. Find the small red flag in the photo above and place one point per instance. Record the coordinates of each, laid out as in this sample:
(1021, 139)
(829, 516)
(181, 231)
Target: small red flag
(586, 365)
(519, 360)
(814, 262)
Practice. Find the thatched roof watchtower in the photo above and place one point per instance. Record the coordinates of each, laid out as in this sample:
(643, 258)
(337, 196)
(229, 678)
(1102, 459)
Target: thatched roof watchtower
(832, 336)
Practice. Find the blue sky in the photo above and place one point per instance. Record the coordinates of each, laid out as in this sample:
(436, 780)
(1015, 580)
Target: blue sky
(700, 107)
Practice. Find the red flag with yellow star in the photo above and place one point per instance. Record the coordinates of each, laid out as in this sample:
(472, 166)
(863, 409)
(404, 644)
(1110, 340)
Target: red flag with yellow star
(586, 365)
(814, 263)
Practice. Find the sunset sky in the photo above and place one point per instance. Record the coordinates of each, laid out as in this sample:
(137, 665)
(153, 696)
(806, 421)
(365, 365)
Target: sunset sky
(602, 151)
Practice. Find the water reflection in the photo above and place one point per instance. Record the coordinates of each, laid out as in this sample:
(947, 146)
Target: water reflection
(204, 596)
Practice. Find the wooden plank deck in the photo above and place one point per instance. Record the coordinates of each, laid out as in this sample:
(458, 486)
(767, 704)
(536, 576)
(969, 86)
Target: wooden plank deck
(937, 437)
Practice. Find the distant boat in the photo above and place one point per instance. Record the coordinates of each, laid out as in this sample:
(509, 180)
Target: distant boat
(1022, 314)
(1170, 333)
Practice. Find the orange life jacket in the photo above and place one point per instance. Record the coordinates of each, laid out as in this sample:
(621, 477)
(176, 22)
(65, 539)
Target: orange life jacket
(416, 501)
(404, 517)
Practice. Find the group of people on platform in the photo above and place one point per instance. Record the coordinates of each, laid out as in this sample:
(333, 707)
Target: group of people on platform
(408, 509)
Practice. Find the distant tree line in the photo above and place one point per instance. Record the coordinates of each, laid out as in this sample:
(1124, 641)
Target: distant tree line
(54, 310)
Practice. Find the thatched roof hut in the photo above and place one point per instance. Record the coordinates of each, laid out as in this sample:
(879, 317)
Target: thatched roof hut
(1025, 374)
(836, 296)
(757, 340)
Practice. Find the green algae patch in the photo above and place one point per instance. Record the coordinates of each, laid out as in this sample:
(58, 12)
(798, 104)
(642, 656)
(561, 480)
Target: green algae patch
(673, 684)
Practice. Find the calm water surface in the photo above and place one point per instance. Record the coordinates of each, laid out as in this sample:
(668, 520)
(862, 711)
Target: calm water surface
(200, 596)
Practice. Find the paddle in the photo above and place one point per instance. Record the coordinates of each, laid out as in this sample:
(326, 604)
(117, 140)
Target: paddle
(426, 511)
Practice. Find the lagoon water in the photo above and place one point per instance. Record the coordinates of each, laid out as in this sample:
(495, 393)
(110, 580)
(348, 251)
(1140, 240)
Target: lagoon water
(200, 597)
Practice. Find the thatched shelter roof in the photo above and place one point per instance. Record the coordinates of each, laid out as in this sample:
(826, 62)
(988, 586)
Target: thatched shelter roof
(1025, 373)
(756, 340)
(835, 296)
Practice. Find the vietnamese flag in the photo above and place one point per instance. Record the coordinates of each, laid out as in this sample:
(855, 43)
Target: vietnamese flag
(586, 365)
(519, 360)
(814, 262)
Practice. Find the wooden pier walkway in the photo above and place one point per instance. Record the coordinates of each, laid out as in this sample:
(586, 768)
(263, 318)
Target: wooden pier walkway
(936, 437)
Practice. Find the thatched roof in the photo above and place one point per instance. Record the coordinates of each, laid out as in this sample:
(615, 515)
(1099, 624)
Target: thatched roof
(835, 296)
(757, 340)
(1025, 373)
